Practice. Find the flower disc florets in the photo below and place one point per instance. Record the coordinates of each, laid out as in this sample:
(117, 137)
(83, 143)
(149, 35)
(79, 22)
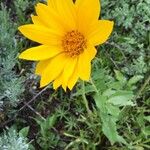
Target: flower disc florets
(74, 43)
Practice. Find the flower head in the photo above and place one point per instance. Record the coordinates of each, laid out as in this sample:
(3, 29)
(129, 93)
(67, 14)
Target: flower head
(68, 33)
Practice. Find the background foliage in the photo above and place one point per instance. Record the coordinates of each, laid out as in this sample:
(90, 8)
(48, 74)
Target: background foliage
(109, 112)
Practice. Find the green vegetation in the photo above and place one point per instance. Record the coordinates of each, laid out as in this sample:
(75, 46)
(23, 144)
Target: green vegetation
(109, 112)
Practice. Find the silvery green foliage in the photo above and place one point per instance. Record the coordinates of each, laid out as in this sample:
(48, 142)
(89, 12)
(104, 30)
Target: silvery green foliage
(11, 86)
(131, 32)
(12, 141)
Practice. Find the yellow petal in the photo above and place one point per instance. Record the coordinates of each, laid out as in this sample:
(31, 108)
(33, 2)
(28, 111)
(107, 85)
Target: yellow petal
(84, 75)
(74, 78)
(66, 11)
(68, 70)
(64, 87)
(91, 52)
(53, 69)
(40, 52)
(41, 66)
(87, 12)
(41, 34)
(63, 13)
(36, 20)
(43, 14)
(66, 75)
(58, 82)
(52, 4)
(49, 17)
(100, 31)
(84, 67)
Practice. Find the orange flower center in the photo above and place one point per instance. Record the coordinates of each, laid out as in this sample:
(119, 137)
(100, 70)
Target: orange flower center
(74, 43)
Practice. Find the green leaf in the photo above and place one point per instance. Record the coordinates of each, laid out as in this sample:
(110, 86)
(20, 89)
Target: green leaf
(147, 118)
(108, 114)
(39, 121)
(109, 92)
(51, 120)
(48, 124)
(119, 76)
(121, 98)
(110, 130)
(147, 131)
(116, 85)
(88, 89)
(101, 102)
(138, 148)
(24, 132)
(113, 110)
(134, 80)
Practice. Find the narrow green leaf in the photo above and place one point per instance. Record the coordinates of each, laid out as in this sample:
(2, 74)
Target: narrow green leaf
(51, 120)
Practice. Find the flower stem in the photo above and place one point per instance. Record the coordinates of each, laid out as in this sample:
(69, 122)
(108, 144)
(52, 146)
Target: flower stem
(84, 99)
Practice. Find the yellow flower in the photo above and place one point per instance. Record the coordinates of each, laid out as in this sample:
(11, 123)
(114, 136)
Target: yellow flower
(68, 33)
